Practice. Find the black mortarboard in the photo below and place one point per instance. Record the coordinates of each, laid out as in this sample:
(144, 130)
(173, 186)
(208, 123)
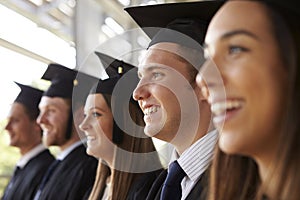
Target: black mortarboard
(116, 70)
(29, 97)
(188, 18)
(289, 5)
(65, 82)
(113, 67)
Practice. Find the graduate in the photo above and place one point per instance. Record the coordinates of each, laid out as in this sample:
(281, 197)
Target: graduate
(254, 48)
(174, 109)
(61, 111)
(26, 135)
(113, 124)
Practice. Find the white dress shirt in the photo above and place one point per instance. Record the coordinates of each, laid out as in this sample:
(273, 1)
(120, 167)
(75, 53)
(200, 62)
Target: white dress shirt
(195, 160)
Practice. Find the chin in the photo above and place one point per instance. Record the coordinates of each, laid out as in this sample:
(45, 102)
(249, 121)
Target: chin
(228, 145)
(152, 131)
(90, 152)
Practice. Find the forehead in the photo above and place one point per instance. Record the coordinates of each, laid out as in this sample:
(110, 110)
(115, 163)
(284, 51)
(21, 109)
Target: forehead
(17, 109)
(53, 101)
(94, 100)
(249, 16)
(164, 55)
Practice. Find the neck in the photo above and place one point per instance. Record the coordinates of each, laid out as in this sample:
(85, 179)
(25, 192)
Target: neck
(68, 143)
(266, 166)
(203, 128)
(24, 150)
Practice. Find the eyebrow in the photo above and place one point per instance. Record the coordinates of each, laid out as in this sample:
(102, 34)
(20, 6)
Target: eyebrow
(152, 66)
(234, 33)
(239, 32)
(97, 108)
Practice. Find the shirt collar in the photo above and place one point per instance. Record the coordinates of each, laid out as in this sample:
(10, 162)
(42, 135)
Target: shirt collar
(196, 159)
(29, 155)
(62, 155)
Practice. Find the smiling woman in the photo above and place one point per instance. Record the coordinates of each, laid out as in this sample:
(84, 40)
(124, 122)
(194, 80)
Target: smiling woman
(257, 58)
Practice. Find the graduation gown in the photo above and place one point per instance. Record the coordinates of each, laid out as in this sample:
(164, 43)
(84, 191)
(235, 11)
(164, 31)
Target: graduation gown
(72, 177)
(140, 188)
(29, 177)
(197, 193)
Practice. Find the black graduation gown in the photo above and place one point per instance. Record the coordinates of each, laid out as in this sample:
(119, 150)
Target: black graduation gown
(140, 188)
(72, 177)
(197, 193)
(29, 177)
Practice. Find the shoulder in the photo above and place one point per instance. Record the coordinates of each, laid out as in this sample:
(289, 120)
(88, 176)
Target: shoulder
(143, 184)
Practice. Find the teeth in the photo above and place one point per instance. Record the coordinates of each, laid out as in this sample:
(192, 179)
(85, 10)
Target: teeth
(150, 110)
(221, 107)
(90, 138)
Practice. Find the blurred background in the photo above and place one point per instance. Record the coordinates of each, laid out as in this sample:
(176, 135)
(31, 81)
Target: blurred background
(34, 33)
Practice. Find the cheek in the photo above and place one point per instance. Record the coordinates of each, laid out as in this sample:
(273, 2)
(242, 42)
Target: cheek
(103, 129)
(107, 128)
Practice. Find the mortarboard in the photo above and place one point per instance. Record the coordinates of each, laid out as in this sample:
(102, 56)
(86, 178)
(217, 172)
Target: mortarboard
(66, 82)
(113, 67)
(30, 97)
(116, 69)
(189, 18)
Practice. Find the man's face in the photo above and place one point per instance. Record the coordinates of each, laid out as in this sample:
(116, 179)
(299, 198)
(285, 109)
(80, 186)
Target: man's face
(53, 118)
(20, 127)
(164, 93)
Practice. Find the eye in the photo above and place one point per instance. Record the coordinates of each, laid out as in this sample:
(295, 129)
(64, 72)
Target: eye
(157, 75)
(96, 114)
(234, 49)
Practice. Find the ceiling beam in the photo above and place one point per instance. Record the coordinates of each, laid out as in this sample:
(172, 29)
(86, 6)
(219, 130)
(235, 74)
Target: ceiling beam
(25, 52)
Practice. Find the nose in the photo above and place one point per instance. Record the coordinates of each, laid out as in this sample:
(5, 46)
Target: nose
(83, 126)
(210, 80)
(141, 91)
(41, 118)
(8, 125)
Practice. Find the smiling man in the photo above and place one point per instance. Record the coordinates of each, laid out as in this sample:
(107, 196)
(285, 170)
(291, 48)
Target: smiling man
(174, 109)
(75, 171)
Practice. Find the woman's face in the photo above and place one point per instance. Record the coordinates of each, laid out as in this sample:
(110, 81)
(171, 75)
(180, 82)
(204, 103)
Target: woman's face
(241, 44)
(98, 127)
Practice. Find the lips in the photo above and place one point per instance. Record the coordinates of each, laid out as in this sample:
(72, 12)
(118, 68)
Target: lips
(46, 129)
(151, 113)
(222, 107)
(90, 138)
(224, 110)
